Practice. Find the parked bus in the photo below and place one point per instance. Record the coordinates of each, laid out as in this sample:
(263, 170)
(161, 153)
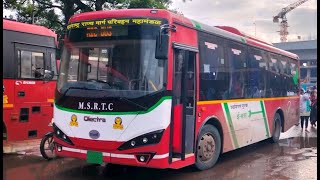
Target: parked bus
(147, 87)
(29, 53)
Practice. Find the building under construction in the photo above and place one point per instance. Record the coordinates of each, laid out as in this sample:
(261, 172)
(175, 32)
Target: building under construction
(307, 52)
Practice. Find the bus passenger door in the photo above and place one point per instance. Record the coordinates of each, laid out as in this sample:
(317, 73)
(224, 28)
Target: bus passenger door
(184, 97)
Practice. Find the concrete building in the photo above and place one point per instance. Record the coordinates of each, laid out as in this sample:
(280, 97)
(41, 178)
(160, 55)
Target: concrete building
(307, 52)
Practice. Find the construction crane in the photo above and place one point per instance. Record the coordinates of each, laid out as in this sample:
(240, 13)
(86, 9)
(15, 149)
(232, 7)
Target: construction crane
(284, 23)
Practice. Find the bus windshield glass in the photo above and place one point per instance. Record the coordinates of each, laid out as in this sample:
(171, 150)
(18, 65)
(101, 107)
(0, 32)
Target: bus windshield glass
(117, 61)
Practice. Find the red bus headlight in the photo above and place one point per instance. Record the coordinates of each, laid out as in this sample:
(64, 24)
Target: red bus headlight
(143, 140)
(59, 134)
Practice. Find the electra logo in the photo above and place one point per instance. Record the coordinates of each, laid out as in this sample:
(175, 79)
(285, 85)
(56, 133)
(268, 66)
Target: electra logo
(94, 134)
(95, 119)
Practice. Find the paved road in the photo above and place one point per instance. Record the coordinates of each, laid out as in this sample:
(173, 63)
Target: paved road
(294, 157)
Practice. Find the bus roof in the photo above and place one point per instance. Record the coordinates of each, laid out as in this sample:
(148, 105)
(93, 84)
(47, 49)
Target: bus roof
(28, 28)
(224, 31)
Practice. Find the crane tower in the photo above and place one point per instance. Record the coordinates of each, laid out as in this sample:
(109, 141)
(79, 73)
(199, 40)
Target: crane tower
(284, 22)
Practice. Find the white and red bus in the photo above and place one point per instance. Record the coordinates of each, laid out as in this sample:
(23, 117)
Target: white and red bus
(29, 53)
(151, 88)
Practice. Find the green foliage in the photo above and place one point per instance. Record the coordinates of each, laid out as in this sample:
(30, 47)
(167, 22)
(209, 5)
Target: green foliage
(159, 4)
(32, 12)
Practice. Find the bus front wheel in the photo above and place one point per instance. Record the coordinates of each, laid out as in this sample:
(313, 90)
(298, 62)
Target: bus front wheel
(276, 128)
(208, 147)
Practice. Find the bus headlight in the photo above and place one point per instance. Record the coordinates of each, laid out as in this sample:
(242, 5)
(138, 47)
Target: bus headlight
(143, 140)
(59, 134)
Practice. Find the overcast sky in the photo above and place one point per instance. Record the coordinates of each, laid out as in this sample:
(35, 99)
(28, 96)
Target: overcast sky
(242, 14)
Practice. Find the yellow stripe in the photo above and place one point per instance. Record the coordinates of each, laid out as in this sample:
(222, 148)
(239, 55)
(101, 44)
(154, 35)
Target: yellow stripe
(242, 100)
(49, 100)
(7, 105)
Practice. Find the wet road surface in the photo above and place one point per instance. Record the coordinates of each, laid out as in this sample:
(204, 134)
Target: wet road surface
(294, 157)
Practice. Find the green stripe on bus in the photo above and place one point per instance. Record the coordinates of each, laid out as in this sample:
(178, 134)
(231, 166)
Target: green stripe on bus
(233, 134)
(115, 113)
(243, 40)
(196, 24)
(264, 118)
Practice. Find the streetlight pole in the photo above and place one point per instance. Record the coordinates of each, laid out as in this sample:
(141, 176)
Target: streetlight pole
(255, 34)
(255, 28)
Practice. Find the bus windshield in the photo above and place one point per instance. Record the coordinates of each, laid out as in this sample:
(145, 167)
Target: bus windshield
(117, 67)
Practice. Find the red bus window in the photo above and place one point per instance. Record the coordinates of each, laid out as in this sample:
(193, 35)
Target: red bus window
(53, 64)
(36, 109)
(31, 64)
(24, 114)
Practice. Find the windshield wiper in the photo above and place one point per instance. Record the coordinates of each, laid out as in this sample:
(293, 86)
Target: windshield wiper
(134, 103)
(83, 88)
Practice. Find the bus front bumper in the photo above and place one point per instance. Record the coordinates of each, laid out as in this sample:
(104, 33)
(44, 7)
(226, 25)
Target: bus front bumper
(145, 159)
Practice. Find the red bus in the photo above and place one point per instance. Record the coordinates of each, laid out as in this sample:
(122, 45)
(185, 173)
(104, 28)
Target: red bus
(29, 53)
(151, 88)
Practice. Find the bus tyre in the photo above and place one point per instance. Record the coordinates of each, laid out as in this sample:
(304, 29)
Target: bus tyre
(276, 128)
(208, 147)
(47, 147)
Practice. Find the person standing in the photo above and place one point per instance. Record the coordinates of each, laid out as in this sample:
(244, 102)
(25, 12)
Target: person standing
(304, 113)
(313, 112)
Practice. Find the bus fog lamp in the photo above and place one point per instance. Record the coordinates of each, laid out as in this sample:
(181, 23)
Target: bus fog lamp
(133, 143)
(59, 148)
(142, 159)
(145, 140)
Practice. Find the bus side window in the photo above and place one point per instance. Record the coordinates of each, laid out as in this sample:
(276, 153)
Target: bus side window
(238, 70)
(25, 64)
(288, 77)
(294, 80)
(31, 64)
(257, 74)
(38, 65)
(19, 63)
(178, 65)
(214, 74)
(53, 64)
(275, 75)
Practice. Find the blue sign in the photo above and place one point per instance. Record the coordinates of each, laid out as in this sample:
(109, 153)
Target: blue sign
(94, 134)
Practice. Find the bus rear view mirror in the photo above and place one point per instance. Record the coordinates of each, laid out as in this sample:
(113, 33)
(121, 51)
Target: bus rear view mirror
(161, 51)
(162, 41)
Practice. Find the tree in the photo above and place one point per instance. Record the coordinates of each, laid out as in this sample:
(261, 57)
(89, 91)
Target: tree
(159, 4)
(55, 14)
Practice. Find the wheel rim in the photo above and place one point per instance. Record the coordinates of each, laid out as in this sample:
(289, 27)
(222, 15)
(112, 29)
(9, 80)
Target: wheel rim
(49, 147)
(206, 147)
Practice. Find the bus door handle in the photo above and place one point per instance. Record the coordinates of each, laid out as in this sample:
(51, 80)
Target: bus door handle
(21, 94)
